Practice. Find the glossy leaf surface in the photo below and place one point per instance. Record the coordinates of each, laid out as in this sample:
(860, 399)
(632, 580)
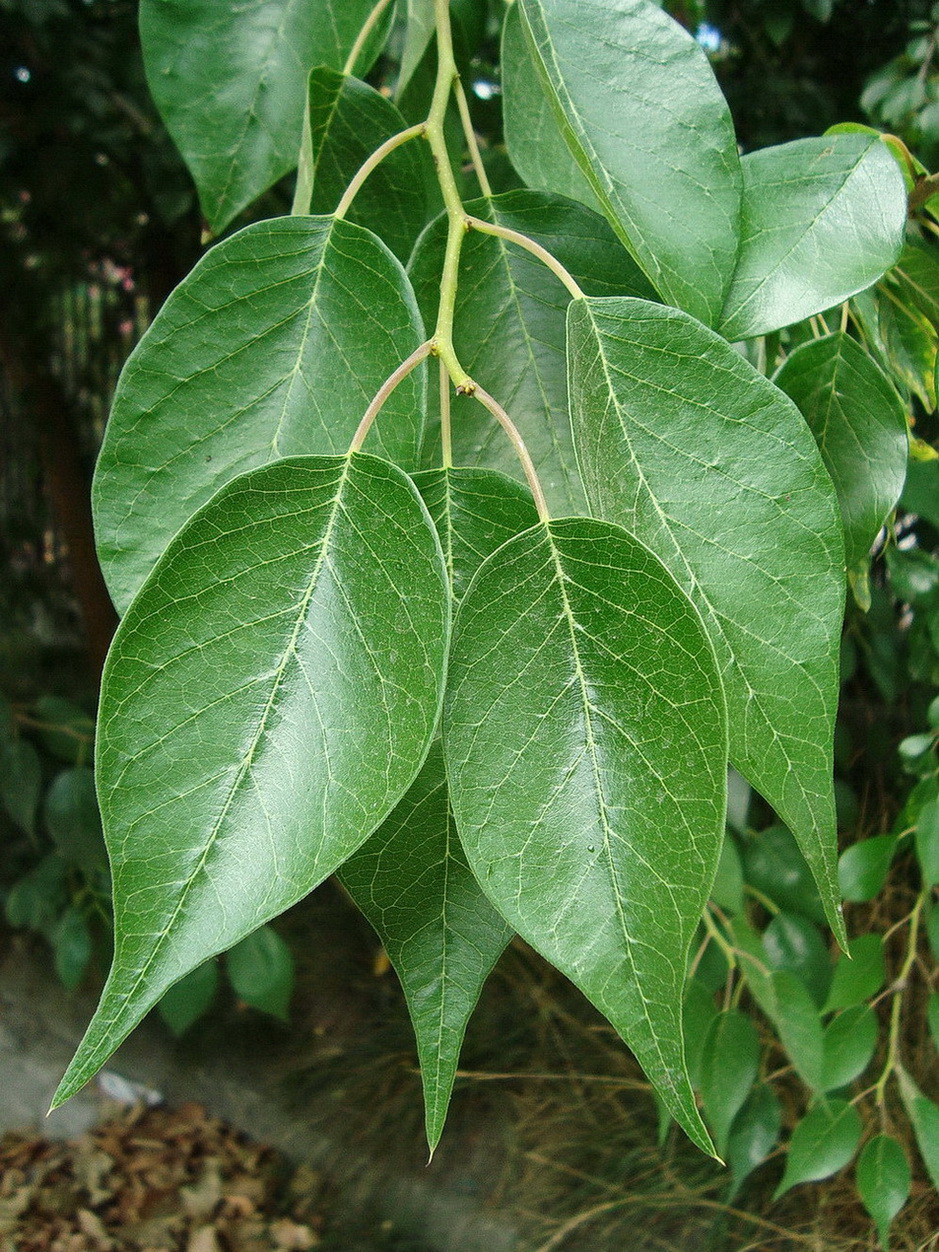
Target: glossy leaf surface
(860, 977)
(862, 867)
(795, 944)
(729, 1065)
(822, 1143)
(849, 1043)
(509, 330)
(348, 121)
(859, 424)
(799, 1027)
(230, 83)
(585, 719)
(685, 445)
(883, 1182)
(754, 1134)
(442, 935)
(269, 698)
(822, 220)
(272, 347)
(639, 107)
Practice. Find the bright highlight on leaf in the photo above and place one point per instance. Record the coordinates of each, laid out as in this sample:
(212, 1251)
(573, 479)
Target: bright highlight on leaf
(584, 739)
(269, 698)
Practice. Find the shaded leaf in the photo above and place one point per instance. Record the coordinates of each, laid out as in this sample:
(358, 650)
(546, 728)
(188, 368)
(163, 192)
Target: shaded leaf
(268, 699)
(859, 423)
(417, 35)
(584, 718)
(70, 810)
(860, 977)
(509, 329)
(348, 121)
(799, 1027)
(20, 782)
(238, 141)
(260, 970)
(822, 219)
(638, 105)
(796, 944)
(729, 1065)
(475, 511)
(699, 1013)
(849, 1044)
(822, 1143)
(71, 947)
(683, 443)
(442, 935)
(754, 1134)
(774, 865)
(863, 867)
(883, 1182)
(37, 899)
(932, 1016)
(273, 346)
(924, 1115)
(727, 889)
(65, 729)
(927, 843)
(190, 998)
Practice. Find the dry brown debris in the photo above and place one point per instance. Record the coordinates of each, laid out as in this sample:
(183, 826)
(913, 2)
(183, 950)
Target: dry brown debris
(153, 1180)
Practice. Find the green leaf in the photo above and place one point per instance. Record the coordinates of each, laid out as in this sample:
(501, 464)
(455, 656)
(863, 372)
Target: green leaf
(584, 719)
(535, 144)
(849, 1044)
(7, 719)
(38, 898)
(683, 443)
(932, 1016)
(729, 1065)
(822, 1143)
(509, 329)
(927, 843)
(799, 1027)
(859, 422)
(442, 935)
(65, 729)
(822, 219)
(71, 947)
(795, 944)
(924, 1115)
(859, 974)
(638, 105)
(774, 865)
(754, 1134)
(269, 697)
(883, 1182)
(71, 815)
(20, 782)
(417, 36)
(921, 491)
(727, 889)
(230, 83)
(932, 930)
(272, 347)
(260, 970)
(752, 964)
(902, 338)
(699, 1012)
(190, 998)
(348, 121)
(863, 867)
(915, 277)
(475, 512)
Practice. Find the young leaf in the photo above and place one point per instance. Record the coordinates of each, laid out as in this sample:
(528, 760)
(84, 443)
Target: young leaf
(849, 1043)
(860, 977)
(273, 346)
(535, 144)
(260, 970)
(190, 998)
(683, 443)
(753, 1135)
(269, 697)
(475, 512)
(509, 328)
(442, 935)
(20, 782)
(729, 1065)
(822, 1143)
(862, 867)
(800, 1029)
(230, 83)
(348, 121)
(638, 105)
(822, 219)
(924, 1115)
(859, 423)
(584, 744)
(883, 1182)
